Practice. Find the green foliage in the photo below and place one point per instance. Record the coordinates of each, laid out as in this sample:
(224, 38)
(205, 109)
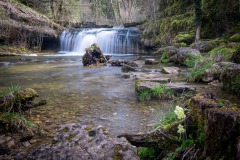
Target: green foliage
(199, 69)
(185, 38)
(164, 58)
(144, 95)
(146, 153)
(159, 91)
(221, 53)
(9, 90)
(235, 38)
(169, 118)
(191, 60)
(15, 122)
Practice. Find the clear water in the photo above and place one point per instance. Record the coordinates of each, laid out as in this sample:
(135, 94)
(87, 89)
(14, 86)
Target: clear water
(92, 96)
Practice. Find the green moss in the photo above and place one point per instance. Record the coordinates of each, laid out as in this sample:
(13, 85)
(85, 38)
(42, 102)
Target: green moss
(187, 38)
(191, 60)
(69, 138)
(65, 130)
(88, 128)
(91, 133)
(232, 84)
(147, 153)
(165, 58)
(117, 155)
(235, 38)
(199, 69)
(221, 53)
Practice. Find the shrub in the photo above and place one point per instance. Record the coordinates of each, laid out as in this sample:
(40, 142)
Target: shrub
(164, 58)
(199, 69)
(191, 60)
(147, 153)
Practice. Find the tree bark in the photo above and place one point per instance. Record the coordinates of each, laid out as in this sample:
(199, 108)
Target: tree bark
(198, 18)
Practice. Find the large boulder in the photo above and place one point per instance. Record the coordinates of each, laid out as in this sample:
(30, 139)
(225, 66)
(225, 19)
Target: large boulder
(204, 46)
(183, 54)
(94, 56)
(231, 80)
(171, 50)
(215, 72)
(76, 141)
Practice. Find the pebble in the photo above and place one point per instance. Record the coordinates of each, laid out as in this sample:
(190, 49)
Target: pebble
(10, 144)
(26, 144)
(33, 141)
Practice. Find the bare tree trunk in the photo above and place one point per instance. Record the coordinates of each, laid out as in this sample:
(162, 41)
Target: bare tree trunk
(198, 33)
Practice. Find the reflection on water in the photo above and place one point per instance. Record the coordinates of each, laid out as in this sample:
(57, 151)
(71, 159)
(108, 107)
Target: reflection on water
(92, 96)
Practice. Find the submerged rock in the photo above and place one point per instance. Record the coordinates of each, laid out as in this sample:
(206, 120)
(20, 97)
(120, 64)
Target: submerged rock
(151, 61)
(170, 70)
(76, 141)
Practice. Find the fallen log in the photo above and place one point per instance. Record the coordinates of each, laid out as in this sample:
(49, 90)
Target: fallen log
(157, 137)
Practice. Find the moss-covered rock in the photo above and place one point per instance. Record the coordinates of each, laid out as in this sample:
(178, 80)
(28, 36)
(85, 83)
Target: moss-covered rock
(236, 56)
(187, 38)
(235, 38)
(183, 54)
(222, 53)
(204, 46)
(215, 71)
(231, 80)
(222, 131)
(199, 106)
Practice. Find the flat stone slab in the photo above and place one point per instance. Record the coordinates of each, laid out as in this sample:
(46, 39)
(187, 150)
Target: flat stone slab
(177, 88)
(170, 70)
(151, 61)
(75, 141)
(158, 80)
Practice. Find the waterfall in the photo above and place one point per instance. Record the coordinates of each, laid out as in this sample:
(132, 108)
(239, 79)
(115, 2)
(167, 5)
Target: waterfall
(111, 40)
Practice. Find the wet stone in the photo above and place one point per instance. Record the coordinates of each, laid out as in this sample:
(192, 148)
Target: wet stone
(75, 141)
(170, 70)
(151, 61)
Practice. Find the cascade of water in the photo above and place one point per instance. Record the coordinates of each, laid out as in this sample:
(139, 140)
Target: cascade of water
(110, 40)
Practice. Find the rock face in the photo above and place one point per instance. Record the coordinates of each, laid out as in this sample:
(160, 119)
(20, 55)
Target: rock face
(183, 53)
(170, 70)
(231, 80)
(75, 142)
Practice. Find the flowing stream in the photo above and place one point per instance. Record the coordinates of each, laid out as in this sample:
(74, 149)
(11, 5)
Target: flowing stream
(74, 94)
